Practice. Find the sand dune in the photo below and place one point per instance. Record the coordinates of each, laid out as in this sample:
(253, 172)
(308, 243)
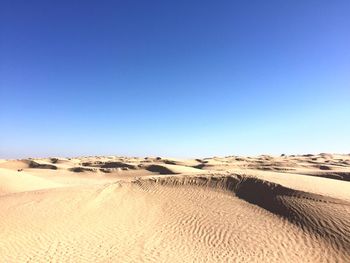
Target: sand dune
(167, 210)
(13, 182)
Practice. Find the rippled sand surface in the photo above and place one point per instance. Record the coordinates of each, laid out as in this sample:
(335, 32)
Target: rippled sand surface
(232, 209)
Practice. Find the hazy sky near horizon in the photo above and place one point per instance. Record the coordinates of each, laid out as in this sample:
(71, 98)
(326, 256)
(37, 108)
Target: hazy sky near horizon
(174, 78)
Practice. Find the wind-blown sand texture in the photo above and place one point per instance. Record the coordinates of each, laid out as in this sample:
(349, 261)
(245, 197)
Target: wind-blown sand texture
(227, 209)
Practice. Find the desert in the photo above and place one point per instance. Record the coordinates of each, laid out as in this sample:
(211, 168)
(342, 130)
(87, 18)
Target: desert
(175, 131)
(154, 209)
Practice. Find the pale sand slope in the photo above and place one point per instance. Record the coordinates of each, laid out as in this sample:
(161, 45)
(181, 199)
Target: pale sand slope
(12, 182)
(124, 223)
(128, 210)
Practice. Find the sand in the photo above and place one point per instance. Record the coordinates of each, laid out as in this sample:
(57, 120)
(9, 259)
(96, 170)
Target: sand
(227, 209)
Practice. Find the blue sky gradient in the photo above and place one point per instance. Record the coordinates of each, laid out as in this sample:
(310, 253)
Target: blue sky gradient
(174, 78)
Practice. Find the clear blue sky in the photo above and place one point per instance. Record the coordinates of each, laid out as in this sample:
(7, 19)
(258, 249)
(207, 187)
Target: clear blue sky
(174, 78)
